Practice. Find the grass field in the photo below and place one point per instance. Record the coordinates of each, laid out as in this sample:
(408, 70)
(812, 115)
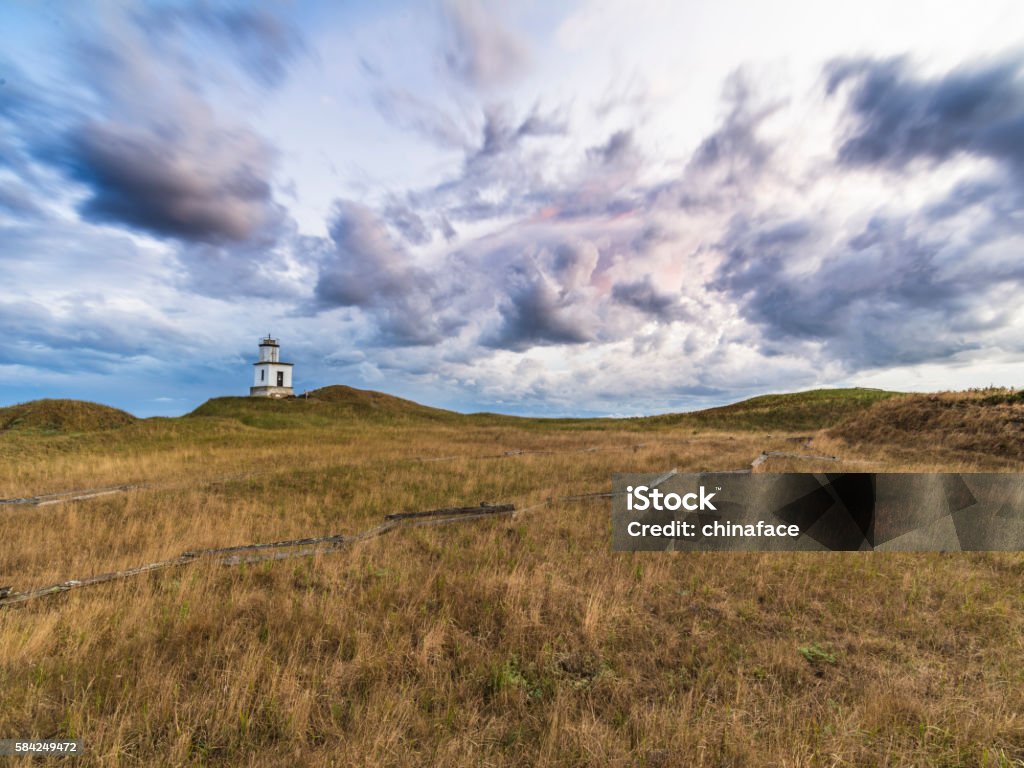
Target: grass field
(502, 642)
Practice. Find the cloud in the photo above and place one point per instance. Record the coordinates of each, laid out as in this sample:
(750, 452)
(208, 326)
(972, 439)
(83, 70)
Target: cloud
(644, 297)
(17, 200)
(275, 267)
(184, 178)
(731, 165)
(365, 268)
(524, 288)
(893, 293)
(365, 263)
(482, 51)
(501, 135)
(908, 285)
(150, 151)
(564, 272)
(424, 117)
(407, 222)
(30, 118)
(535, 313)
(734, 155)
(618, 149)
(265, 43)
(141, 134)
(83, 334)
(260, 42)
(574, 263)
(503, 175)
(897, 117)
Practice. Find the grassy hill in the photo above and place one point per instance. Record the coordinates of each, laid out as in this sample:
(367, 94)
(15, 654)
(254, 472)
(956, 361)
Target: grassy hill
(368, 401)
(989, 422)
(62, 417)
(807, 411)
(801, 411)
(319, 408)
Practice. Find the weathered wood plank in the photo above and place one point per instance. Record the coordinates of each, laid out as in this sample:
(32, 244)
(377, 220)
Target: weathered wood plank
(506, 510)
(334, 539)
(453, 511)
(62, 496)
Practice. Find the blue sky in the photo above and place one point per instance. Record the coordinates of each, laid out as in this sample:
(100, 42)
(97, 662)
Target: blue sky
(573, 208)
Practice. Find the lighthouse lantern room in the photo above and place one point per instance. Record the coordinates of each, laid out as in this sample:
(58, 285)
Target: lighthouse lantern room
(272, 378)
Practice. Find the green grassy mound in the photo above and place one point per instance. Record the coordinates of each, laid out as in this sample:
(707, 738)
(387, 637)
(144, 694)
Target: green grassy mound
(62, 417)
(808, 411)
(319, 408)
(369, 401)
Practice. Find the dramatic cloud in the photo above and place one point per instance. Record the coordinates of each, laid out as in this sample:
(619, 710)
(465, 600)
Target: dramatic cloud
(896, 292)
(504, 175)
(897, 117)
(534, 313)
(906, 287)
(366, 268)
(144, 139)
(187, 180)
(726, 168)
(527, 288)
(643, 296)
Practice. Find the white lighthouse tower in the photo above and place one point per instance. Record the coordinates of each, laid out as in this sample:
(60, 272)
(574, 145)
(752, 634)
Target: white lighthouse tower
(272, 378)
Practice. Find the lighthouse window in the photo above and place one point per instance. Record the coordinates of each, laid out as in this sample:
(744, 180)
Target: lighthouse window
(280, 378)
(263, 375)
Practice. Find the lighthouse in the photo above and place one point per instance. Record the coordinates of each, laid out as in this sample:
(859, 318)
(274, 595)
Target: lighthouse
(272, 378)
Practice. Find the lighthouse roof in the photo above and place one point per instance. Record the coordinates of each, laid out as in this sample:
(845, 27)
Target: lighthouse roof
(268, 342)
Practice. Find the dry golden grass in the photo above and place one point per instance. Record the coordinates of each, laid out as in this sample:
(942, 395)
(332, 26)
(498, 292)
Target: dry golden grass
(498, 642)
(985, 425)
